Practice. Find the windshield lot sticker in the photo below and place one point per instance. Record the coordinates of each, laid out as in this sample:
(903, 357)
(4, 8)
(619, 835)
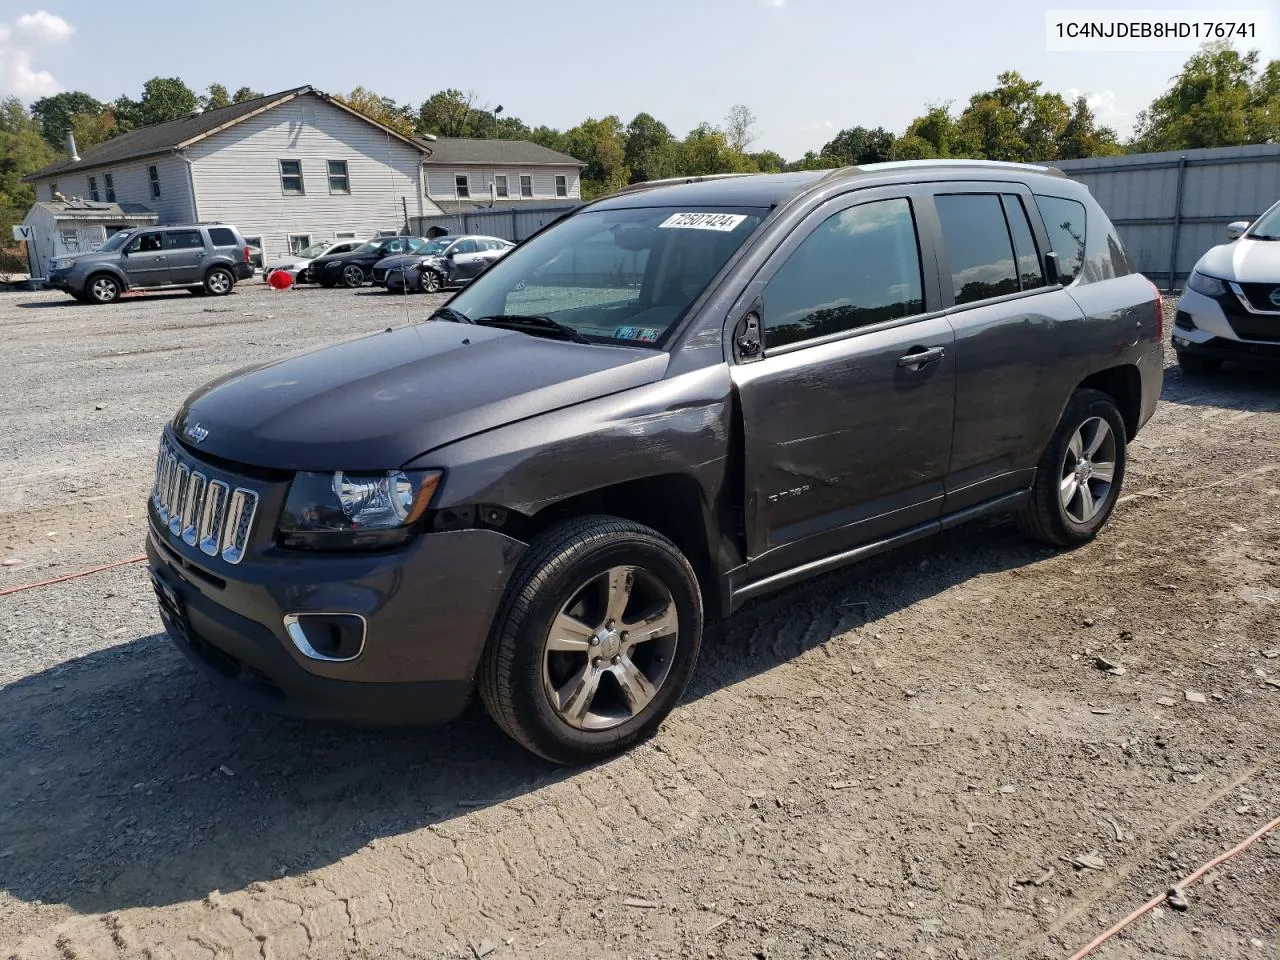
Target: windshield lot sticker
(723, 222)
(640, 334)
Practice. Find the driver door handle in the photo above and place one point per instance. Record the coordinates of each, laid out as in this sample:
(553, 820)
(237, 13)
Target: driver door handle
(921, 357)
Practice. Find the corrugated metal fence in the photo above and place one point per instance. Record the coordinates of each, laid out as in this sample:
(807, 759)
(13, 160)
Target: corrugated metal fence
(1171, 207)
(510, 223)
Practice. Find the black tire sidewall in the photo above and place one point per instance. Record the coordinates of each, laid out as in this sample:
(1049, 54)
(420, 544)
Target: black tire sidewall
(91, 297)
(346, 272)
(1084, 406)
(550, 736)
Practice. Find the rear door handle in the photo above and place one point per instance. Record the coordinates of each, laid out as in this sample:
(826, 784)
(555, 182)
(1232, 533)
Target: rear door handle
(922, 357)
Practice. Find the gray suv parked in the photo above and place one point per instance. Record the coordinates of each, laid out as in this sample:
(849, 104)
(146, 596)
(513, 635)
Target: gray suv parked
(204, 258)
(669, 402)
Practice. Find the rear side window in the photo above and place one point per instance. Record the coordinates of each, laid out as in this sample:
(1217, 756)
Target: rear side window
(222, 237)
(184, 240)
(1065, 222)
(1024, 245)
(978, 244)
(858, 267)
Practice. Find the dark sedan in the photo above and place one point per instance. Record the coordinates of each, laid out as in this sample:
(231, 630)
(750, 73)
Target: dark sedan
(444, 262)
(354, 269)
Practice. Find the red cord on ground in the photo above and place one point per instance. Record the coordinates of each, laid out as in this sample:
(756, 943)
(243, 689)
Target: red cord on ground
(70, 576)
(1182, 884)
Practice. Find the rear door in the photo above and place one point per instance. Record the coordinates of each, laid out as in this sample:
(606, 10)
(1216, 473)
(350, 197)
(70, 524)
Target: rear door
(1011, 329)
(847, 415)
(185, 250)
(145, 260)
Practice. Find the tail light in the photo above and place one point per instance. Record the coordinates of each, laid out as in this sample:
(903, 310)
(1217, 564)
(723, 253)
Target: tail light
(247, 256)
(1159, 312)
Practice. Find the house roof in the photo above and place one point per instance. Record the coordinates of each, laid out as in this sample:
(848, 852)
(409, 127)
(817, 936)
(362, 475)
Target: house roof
(167, 137)
(90, 210)
(448, 150)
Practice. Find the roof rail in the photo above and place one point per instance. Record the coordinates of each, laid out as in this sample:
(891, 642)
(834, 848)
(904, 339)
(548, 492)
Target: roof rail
(961, 162)
(672, 181)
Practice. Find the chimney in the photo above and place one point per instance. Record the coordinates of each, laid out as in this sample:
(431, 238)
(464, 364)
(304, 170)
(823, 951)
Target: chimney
(71, 147)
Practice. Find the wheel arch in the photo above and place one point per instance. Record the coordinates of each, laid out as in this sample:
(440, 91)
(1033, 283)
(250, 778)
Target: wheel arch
(1123, 384)
(110, 270)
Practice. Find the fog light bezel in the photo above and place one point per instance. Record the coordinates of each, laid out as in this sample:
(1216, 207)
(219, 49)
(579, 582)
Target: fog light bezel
(296, 632)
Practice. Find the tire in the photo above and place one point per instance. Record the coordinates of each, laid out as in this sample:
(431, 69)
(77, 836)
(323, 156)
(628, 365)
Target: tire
(352, 275)
(1194, 366)
(1046, 516)
(102, 288)
(429, 281)
(219, 281)
(567, 575)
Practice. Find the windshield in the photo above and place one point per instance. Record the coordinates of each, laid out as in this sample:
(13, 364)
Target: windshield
(116, 240)
(1267, 226)
(613, 276)
(368, 246)
(314, 250)
(435, 246)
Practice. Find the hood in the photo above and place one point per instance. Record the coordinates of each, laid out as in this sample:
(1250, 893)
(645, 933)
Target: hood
(106, 256)
(379, 401)
(334, 258)
(399, 260)
(1244, 261)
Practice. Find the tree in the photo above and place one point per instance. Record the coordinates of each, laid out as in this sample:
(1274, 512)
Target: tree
(216, 97)
(54, 113)
(447, 113)
(246, 93)
(1082, 137)
(767, 161)
(91, 128)
(649, 151)
(815, 161)
(937, 128)
(1217, 100)
(911, 146)
(601, 146)
(860, 145)
(163, 99)
(1014, 121)
(23, 149)
(739, 128)
(381, 110)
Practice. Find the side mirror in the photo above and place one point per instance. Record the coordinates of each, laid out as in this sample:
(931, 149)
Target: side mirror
(1236, 229)
(1052, 272)
(450, 255)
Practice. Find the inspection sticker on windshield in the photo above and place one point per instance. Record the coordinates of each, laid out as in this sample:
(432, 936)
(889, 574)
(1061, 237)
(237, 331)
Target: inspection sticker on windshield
(723, 222)
(641, 334)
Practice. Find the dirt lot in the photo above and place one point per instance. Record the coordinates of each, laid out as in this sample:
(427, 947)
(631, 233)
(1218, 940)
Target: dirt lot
(897, 760)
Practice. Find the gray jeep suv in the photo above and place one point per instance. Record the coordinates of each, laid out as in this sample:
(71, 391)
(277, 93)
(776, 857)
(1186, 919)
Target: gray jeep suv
(666, 403)
(204, 258)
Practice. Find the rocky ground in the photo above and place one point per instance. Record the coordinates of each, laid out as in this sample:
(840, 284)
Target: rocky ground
(902, 759)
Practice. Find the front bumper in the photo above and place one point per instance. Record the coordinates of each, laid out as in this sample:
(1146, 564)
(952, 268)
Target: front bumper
(428, 608)
(1224, 329)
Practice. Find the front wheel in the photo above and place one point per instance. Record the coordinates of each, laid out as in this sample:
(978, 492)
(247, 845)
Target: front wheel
(352, 275)
(103, 288)
(596, 640)
(218, 282)
(1080, 474)
(429, 281)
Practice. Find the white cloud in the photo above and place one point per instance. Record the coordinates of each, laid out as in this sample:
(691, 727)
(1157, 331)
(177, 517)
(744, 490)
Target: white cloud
(19, 44)
(1102, 103)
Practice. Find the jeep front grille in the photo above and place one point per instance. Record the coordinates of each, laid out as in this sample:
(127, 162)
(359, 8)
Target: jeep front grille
(202, 512)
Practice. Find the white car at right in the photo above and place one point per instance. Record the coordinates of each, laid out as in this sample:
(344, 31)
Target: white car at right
(1230, 307)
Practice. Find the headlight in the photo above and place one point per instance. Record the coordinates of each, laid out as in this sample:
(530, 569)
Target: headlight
(1209, 286)
(355, 511)
(61, 264)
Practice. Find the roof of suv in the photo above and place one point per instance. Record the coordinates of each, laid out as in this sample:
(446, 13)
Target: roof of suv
(769, 189)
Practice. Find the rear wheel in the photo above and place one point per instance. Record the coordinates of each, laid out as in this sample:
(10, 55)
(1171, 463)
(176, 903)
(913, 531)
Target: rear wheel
(1080, 474)
(219, 281)
(596, 640)
(1195, 366)
(352, 275)
(103, 288)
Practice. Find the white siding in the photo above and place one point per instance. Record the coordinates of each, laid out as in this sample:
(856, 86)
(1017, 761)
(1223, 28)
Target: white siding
(237, 175)
(132, 185)
(440, 181)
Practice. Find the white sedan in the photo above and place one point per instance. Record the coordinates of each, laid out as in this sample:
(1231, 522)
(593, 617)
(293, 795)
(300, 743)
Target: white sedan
(1230, 307)
(296, 264)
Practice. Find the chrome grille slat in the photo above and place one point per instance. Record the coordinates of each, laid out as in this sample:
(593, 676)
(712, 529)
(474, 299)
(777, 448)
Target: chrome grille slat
(210, 514)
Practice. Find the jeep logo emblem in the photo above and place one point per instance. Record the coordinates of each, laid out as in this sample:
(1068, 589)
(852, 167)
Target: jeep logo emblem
(196, 433)
(1275, 297)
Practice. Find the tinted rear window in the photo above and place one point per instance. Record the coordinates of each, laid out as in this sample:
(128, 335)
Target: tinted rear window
(1065, 222)
(222, 237)
(1024, 244)
(978, 246)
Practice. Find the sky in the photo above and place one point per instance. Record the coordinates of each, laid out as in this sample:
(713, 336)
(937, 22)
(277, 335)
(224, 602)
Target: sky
(806, 68)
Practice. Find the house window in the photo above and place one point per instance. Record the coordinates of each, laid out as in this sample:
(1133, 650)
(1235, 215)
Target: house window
(339, 182)
(93, 189)
(526, 185)
(299, 242)
(291, 178)
(111, 187)
(71, 239)
(562, 185)
(154, 176)
(53, 189)
(345, 235)
(462, 185)
(500, 185)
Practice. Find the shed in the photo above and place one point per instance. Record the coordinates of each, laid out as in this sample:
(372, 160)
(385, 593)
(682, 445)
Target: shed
(63, 228)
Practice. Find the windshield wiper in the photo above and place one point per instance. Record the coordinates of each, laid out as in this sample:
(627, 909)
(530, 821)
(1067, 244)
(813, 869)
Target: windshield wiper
(518, 320)
(450, 314)
(1263, 236)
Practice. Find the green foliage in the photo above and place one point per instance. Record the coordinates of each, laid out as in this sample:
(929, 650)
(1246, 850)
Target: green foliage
(22, 149)
(246, 93)
(860, 145)
(216, 97)
(54, 113)
(381, 110)
(163, 99)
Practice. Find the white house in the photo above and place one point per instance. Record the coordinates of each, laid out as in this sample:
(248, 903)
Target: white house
(300, 166)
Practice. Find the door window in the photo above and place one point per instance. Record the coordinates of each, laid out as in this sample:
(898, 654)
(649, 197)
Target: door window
(1024, 245)
(464, 246)
(1064, 221)
(860, 266)
(145, 243)
(978, 246)
(184, 240)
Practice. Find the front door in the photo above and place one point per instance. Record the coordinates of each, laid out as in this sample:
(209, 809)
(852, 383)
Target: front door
(848, 412)
(146, 261)
(185, 249)
(467, 258)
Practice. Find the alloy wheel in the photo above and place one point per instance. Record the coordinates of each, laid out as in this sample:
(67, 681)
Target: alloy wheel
(1088, 470)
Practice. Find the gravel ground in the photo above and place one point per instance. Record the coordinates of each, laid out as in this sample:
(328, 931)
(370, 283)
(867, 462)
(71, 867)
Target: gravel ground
(896, 760)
